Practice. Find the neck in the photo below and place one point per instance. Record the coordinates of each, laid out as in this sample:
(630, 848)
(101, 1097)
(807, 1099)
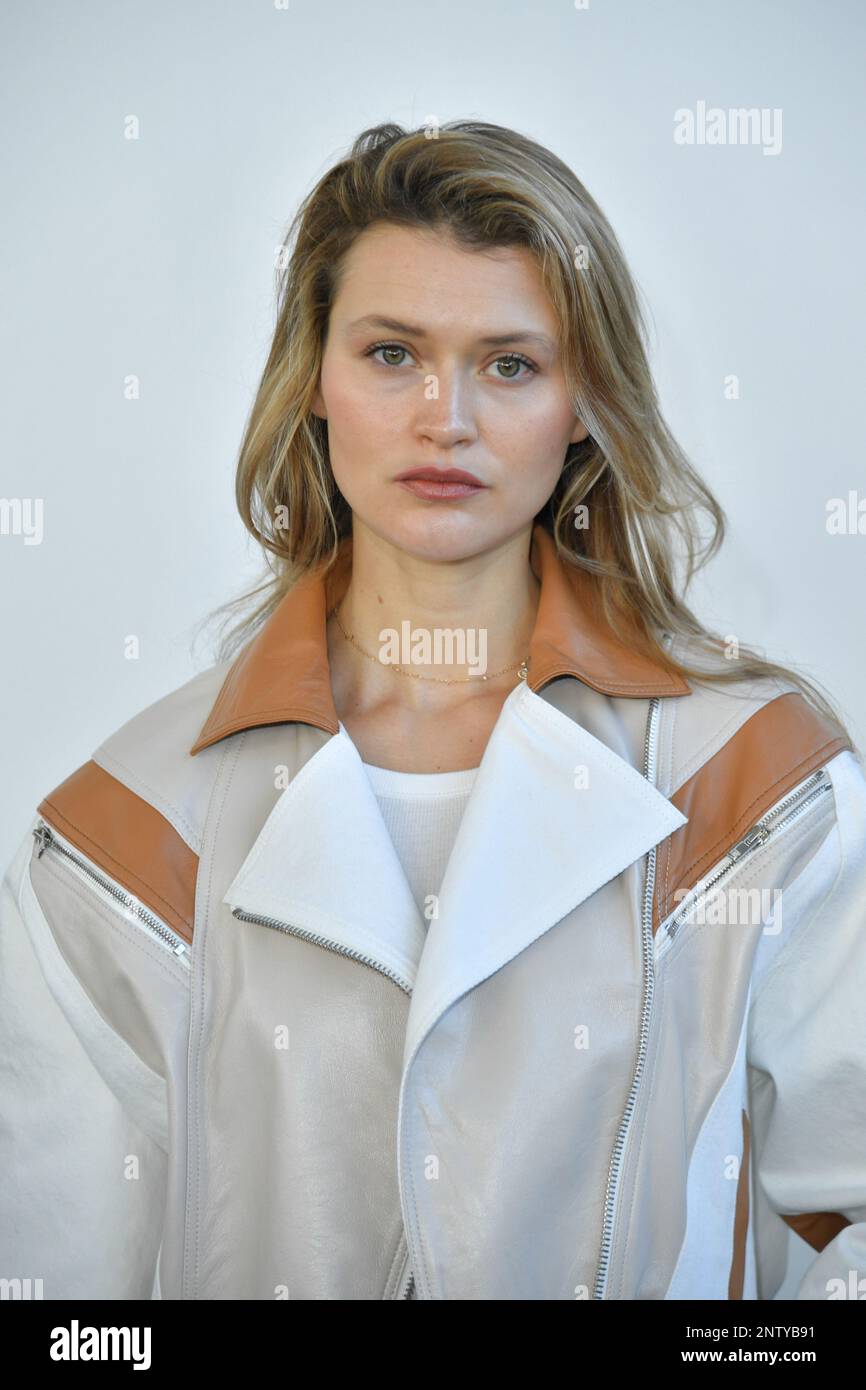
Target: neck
(448, 620)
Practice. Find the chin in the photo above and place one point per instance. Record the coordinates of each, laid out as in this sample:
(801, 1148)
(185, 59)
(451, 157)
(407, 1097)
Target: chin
(437, 533)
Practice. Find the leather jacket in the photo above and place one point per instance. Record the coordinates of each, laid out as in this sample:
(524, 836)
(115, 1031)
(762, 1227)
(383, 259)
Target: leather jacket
(626, 1053)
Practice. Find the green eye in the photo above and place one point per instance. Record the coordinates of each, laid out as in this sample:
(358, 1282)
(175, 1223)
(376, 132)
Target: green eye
(509, 362)
(512, 361)
(386, 347)
(516, 360)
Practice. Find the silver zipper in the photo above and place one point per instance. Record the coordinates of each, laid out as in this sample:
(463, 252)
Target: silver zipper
(48, 838)
(317, 940)
(649, 772)
(406, 1280)
(779, 817)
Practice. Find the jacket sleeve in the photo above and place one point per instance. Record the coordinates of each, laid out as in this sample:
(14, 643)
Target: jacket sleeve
(807, 1046)
(83, 1185)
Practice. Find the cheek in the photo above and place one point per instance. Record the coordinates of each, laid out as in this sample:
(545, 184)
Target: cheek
(535, 441)
(355, 413)
(343, 397)
(358, 431)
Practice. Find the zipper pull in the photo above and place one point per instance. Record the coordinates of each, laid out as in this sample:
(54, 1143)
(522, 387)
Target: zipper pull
(756, 836)
(44, 837)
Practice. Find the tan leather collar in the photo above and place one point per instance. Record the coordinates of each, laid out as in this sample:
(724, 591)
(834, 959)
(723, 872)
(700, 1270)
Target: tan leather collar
(283, 674)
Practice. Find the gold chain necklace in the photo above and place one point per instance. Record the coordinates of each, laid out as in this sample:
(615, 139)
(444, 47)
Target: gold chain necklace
(416, 675)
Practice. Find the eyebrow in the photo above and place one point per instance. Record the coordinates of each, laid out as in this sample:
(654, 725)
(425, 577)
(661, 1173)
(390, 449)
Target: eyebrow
(524, 335)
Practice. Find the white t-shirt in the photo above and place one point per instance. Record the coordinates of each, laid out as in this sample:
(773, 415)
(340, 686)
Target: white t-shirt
(422, 812)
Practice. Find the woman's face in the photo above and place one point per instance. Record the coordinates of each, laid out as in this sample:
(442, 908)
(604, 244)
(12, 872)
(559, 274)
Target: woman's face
(441, 358)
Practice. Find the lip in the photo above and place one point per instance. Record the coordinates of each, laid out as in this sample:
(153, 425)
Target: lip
(445, 483)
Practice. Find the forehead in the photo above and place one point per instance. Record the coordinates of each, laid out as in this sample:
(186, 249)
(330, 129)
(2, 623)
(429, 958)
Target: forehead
(408, 271)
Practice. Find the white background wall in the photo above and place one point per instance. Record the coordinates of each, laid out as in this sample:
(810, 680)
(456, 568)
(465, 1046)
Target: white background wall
(154, 257)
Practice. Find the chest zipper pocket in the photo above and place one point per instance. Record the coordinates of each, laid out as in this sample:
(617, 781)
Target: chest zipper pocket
(111, 892)
(774, 822)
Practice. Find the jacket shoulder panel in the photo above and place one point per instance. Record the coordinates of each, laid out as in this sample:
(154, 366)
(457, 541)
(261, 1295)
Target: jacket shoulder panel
(150, 754)
(731, 752)
(136, 809)
(707, 719)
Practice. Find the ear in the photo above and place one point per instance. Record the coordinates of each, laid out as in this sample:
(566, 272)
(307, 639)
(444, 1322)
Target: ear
(579, 432)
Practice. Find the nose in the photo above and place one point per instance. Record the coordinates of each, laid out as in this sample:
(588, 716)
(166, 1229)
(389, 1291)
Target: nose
(446, 416)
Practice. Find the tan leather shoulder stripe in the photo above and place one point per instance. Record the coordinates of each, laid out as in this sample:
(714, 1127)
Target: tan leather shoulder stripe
(133, 843)
(741, 1220)
(775, 749)
(818, 1227)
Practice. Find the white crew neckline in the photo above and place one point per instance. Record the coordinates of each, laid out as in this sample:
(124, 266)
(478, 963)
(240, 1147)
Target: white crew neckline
(385, 781)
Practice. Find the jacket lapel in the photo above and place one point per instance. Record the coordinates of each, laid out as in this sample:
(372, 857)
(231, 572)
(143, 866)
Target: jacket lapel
(553, 815)
(324, 863)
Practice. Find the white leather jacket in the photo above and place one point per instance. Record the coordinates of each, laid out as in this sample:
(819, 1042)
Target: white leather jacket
(627, 1051)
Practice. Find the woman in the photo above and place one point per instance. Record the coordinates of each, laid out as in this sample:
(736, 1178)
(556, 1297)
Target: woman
(479, 926)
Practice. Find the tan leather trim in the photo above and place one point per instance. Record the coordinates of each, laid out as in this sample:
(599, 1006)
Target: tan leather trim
(133, 843)
(283, 673)
(775, 749)
(741, 1220)
(571, 636)
(818, 1227)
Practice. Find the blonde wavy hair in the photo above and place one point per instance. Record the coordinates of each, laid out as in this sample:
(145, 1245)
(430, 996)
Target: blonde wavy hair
(489, 186)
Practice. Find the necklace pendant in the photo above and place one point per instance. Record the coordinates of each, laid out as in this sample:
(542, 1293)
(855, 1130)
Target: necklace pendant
(523, 672)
